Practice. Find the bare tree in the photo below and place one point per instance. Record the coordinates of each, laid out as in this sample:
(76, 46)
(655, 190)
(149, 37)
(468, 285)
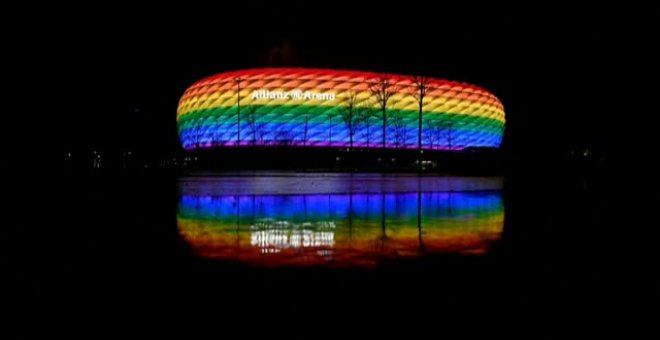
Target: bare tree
(367, 131)
(261, 132)
(305, 137)
(418, 90)
(399, 129)
(428, 135)
(331, 115)
(251, 118)
(364, 117)
(382, 90)
(350, 115)
(238, 81)
(448, 127)
(433, 133)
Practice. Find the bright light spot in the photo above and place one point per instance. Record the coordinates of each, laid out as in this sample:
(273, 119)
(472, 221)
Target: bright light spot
(279, 235)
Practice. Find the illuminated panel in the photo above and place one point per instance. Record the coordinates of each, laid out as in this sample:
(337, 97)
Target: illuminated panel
(339, 229)
(308, 107)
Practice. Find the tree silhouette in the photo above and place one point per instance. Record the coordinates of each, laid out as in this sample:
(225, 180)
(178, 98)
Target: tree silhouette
(448, 127)
(330, 116)
(305, 136)
(382, 90)
(261, 132)
(253, 124)
(399, 129)
(365, 115)
(420, 87)
(238, 81)
(350, 115)
(432, 134)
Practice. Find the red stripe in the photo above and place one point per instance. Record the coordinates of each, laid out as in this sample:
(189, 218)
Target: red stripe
(334, 75)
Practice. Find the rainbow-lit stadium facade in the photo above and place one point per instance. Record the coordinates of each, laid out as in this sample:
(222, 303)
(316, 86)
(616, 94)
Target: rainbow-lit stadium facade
(308, 107)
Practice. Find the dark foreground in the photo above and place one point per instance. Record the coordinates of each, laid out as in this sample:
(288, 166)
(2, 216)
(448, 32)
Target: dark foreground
(102, 257)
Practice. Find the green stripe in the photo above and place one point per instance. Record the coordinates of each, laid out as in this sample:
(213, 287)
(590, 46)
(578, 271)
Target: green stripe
(321, 114)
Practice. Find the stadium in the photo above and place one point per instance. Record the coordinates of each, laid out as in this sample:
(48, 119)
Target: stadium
(312, 108)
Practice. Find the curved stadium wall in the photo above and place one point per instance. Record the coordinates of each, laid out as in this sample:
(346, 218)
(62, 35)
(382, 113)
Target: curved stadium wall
(329, 108)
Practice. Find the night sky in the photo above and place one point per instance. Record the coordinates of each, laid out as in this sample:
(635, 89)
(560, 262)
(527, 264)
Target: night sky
(109, 76)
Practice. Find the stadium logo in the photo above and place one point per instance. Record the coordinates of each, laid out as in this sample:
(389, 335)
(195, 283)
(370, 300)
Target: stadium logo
(293, 95)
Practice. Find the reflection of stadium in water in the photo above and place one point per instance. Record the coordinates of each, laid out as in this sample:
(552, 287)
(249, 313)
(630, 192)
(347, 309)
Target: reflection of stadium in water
(282, 234)
(339, 229)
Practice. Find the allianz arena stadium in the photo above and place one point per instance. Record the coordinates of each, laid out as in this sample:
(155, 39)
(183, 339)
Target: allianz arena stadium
(331, 108)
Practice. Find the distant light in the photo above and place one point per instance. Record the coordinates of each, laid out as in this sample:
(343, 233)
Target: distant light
(338, 158)
(69, 155)
(129, 152)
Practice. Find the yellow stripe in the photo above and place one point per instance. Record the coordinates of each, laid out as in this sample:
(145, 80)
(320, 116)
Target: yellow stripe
(399, 101)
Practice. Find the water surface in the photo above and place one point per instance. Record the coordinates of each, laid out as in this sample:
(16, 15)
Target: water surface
(328, 220)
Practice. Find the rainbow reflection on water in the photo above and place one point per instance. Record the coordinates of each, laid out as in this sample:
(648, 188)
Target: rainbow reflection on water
(348, 229)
